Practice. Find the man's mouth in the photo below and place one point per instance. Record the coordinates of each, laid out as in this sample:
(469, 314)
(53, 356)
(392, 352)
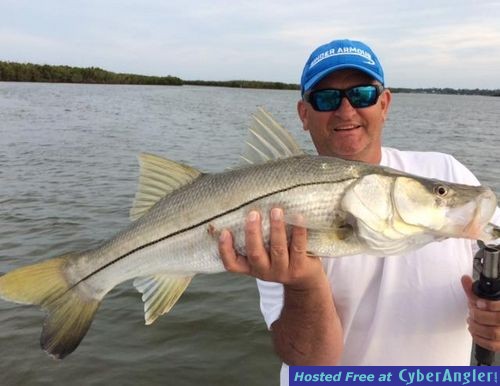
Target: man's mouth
(346, 127)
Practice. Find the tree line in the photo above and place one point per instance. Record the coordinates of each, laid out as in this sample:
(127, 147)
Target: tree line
(28, 72)
(244, 84)
(448, 91)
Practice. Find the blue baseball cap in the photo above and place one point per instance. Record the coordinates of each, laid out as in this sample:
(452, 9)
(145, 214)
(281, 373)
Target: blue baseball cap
(338, 55)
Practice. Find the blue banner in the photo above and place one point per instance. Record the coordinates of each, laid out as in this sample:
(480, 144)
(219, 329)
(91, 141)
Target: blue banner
(392, 375)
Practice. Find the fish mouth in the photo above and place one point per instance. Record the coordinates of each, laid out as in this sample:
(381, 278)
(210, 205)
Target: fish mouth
(482, 213)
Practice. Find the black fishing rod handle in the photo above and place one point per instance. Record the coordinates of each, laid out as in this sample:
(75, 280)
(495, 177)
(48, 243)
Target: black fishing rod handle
(487, 287)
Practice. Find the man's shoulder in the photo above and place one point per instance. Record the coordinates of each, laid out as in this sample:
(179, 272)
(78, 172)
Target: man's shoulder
(415, 156)
(429, 164)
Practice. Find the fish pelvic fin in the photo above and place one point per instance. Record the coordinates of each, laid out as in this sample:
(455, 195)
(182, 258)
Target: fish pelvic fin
(160, 293)
(69, 311)
(158, 178)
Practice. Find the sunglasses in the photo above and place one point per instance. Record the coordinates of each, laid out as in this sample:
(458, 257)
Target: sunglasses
(330, 99)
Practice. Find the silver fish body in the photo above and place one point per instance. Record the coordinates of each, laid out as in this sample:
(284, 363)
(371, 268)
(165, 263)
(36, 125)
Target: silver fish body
(185, 224)
(178, 235)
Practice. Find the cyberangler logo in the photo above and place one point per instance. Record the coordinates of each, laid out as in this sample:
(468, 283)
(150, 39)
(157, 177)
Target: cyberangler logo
(343, 51)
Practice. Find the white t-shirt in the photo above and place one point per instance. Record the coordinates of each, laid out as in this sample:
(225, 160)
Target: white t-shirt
(406, 310)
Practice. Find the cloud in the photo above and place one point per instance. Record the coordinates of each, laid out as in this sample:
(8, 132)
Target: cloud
(442, 55)
(420, 43)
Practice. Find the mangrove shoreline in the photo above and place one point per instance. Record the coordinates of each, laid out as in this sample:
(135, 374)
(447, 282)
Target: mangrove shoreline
(29, 72)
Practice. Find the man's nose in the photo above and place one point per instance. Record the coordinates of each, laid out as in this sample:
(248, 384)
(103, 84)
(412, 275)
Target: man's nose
(345, 108)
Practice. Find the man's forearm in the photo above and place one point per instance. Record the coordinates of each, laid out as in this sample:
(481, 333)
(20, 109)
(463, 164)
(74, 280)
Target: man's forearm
(308, 331)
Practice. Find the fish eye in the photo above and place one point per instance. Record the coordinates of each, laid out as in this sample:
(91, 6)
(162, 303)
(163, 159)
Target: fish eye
(441, 190)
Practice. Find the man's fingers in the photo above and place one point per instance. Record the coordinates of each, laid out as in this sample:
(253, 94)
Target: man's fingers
(254, 244)
(298, 246)
(486, 332)
(487, 343)
(285, 262)
(232, 261)
(486, 318)
(476, 301)
(278, 248)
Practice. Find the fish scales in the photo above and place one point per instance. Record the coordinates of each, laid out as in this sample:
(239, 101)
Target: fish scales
(175, 236)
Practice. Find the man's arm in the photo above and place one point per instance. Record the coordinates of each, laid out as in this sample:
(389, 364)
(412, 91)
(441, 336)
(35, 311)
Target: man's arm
(308, 331)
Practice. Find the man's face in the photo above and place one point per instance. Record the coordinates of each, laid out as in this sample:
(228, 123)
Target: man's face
(347, 132)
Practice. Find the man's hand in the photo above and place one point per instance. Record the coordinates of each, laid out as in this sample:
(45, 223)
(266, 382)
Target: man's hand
(283, 263)
(308, 331)
(484, 318)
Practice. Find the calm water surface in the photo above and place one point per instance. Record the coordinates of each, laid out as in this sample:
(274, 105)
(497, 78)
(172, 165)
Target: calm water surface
(68, 172)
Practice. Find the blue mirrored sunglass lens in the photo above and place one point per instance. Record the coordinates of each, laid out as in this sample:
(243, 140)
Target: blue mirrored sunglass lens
(363, 96)
(327, 100)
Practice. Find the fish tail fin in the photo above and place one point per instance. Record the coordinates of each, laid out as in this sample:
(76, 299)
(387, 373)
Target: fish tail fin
(70, 310)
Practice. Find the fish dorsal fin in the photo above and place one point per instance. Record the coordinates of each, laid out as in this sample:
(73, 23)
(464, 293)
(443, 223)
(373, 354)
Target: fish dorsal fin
(160, 293)
(158, 177)
(267, 140)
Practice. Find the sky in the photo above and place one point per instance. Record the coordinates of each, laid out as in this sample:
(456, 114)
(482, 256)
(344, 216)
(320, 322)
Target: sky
(426, 43)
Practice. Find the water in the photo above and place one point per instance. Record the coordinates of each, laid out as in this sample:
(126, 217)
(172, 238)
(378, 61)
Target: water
(68, 173)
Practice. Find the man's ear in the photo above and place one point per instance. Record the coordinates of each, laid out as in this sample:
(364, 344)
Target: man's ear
(302, 111)
(385, 103)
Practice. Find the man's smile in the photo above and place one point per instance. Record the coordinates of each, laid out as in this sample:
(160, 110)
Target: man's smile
(346, 127)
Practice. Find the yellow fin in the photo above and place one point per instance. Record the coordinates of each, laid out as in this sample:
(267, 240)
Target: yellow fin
(70, 312)
(336, 242)
(69, 319)
(160, 293)
(158, 177)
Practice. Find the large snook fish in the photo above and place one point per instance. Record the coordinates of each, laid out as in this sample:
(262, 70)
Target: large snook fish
(347, 207)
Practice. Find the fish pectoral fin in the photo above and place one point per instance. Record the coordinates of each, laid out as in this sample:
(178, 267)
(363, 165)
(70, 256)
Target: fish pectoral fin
(158, 177)
(332, 235)
(334, 242)
(297, 219)
(70, 311)
(160, 293)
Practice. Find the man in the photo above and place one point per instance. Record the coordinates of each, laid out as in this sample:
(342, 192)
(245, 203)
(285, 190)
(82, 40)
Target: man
(361, 310)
